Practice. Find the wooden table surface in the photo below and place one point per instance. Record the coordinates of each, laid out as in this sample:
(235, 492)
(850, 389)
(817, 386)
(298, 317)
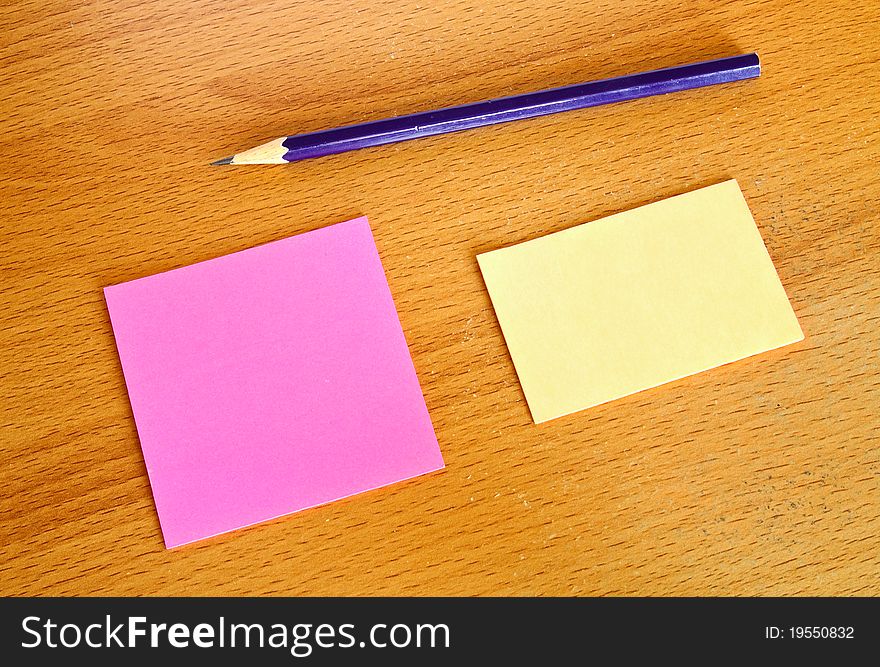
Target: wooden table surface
(760, 477)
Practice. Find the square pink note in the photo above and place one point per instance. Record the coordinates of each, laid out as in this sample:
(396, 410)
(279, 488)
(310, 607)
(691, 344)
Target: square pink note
(270, 380)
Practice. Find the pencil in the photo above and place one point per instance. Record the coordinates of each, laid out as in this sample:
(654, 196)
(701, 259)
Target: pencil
(501, 110)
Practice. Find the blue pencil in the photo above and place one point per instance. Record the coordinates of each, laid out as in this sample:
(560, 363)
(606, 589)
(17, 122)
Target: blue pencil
(501, 110)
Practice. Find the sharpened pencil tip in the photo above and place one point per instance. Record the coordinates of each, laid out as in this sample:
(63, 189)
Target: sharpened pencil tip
(226, 160)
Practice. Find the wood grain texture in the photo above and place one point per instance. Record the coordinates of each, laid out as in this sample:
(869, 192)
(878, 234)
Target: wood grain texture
(761, 477)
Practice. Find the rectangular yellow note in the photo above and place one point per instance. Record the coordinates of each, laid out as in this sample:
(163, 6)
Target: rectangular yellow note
(637, 299)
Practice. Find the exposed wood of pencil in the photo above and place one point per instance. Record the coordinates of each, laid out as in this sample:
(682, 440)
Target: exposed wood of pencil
(271, 152)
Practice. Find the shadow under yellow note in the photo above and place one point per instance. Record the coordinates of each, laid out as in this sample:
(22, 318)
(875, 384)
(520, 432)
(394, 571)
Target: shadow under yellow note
(637, 299)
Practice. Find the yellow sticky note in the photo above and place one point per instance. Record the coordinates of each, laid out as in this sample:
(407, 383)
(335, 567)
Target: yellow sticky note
(631, 301)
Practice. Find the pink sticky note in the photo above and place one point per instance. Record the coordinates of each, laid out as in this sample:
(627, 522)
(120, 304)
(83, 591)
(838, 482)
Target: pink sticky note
(270, 380)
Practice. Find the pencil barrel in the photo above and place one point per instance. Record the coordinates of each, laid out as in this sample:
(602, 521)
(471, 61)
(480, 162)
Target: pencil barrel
(520, 107)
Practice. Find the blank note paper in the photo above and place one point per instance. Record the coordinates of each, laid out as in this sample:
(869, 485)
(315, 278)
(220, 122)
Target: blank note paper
(270, 380)
(622, 304)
